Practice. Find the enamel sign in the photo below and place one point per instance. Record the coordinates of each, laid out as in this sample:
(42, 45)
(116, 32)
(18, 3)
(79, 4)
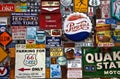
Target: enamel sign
(101, 62)
(31, 63)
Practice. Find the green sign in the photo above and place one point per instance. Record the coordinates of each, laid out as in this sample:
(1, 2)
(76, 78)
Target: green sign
(101, 62)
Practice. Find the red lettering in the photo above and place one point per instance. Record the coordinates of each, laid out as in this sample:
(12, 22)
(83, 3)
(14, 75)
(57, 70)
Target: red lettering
(72, 27)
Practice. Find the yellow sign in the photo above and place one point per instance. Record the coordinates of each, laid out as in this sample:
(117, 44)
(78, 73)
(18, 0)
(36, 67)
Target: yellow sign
(80, 5)
(3, 54)
(40, 45)
(30, 45)
(56, 51)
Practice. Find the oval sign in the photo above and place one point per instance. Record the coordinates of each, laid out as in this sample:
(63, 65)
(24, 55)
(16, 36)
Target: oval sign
(77, 26)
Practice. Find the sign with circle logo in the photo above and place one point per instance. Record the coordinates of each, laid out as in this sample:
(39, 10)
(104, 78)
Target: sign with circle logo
(77, 26)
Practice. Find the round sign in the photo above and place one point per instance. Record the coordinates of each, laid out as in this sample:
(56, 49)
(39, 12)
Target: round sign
(4, 71)
(66, 2)
(77, 26)
(61, 60)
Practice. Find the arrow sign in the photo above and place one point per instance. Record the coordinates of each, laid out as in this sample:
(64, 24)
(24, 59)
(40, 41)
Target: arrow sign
(23, 69)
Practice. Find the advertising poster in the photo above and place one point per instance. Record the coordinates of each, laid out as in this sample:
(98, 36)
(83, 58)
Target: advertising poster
(53, 41)
(74, 68)
(31, 63)
(31, 33)
(101, 62)
(55, 71)
(24, 19)
(74, 73)
(40, 37)
(3, 20)
(54, 52)
(18, 32)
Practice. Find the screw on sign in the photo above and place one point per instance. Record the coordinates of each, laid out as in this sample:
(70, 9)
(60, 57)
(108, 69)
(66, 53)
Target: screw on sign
(5, 38)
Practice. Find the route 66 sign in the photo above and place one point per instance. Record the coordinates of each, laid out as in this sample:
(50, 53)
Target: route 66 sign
(115, 6)
(30, 60)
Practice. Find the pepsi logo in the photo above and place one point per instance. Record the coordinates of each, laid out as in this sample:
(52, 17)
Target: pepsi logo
(77, 26)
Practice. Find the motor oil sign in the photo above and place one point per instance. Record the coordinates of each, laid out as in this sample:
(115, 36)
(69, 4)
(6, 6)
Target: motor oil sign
(101, 62)
(31, 63)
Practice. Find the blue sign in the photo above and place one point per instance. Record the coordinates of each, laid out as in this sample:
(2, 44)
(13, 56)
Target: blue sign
(53, 41)
(110, 21)
(24, 19)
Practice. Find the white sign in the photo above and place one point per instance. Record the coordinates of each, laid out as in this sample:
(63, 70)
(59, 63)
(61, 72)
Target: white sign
(30, 64)
(74, 63)
(3, 20)
(18, 32)
(74, 73)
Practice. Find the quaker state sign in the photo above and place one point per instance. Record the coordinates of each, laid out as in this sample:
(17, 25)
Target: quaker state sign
(101, 62)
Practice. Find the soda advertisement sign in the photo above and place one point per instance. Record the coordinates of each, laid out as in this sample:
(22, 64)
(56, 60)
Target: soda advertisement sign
(31, 63)
(101, 62)
(7, 7)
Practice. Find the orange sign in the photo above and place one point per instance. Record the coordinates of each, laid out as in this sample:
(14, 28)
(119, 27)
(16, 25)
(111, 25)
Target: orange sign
(3, 54)
(5, 38)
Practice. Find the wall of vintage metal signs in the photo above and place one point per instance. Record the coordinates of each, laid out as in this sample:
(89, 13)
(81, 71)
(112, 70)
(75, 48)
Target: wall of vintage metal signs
(59, 39)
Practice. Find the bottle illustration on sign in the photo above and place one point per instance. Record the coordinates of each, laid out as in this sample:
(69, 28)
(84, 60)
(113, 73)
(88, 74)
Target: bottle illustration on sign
(94, 2)
(30, 60)
(117, 9)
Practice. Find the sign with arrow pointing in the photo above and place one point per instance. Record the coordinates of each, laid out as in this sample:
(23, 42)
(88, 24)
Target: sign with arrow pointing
(30, 63)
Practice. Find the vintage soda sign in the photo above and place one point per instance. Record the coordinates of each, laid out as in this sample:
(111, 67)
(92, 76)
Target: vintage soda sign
(50, 21)
(115, 9)
(9, 7)
(77, 26)
(24, 19)
(105, 9)
(19, 32)
(31, 63)
(101, 62)
(53, 42)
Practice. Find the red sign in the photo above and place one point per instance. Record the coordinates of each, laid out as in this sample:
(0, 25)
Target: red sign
(7, 7)
(5, 38)
(50, 6)
(50, 21)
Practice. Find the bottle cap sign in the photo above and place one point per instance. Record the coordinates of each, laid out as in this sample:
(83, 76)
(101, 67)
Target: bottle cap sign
(77, 26)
